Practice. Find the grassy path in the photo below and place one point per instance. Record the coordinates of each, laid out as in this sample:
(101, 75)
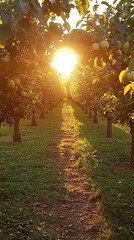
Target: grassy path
(73, 218)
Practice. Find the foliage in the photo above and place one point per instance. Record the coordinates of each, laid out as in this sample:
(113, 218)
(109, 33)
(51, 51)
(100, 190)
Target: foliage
(105, 46)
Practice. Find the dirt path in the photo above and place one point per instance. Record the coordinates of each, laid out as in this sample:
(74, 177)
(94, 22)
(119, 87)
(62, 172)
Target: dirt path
(73, 219)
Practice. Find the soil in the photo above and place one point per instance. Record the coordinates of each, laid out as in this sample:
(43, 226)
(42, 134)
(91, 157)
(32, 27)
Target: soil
(72, 219)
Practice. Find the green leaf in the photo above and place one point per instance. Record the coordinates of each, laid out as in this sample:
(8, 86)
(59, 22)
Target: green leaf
(131, 64)
(121, 75)
(127, 88)
(95, 7)
(67, 15)
(78, 22)
(106, 3)
(86, 6)
(63, 16)
(90, 16)
(79, 7)
(67, 26)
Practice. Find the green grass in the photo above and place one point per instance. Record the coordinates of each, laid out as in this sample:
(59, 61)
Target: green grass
(106, 162)
(28, 178)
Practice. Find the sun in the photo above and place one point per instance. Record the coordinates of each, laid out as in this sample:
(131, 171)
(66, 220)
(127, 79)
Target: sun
(64, 61)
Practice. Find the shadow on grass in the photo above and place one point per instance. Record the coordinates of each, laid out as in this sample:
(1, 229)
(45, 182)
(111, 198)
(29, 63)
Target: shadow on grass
(106, 162)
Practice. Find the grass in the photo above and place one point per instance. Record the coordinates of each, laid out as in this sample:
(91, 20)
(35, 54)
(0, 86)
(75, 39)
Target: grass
(28, 179)
(112, 181)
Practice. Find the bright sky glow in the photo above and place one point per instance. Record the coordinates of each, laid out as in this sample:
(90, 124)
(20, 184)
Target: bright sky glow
(64, 61)
(74, 15)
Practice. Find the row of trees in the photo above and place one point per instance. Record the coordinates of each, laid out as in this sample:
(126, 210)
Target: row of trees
(105, 45)
(104, 79)
(28, 39)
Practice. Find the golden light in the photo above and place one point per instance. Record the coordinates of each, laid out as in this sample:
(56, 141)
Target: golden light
(64, 61)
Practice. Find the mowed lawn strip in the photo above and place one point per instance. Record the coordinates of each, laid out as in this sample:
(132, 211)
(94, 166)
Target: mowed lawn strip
(106, 162)
(28, 178)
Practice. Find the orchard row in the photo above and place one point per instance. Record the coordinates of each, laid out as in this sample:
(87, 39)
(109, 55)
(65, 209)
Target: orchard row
(104, 80)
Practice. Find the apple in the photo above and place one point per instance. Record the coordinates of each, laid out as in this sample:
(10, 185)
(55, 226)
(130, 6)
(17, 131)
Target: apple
(11, 83)
(95, 46)
(104, 45)
(124, 15)
(17, 81)
(118, 53)
(125, 45)
(118, 45)
(23, 94)
(130, 75)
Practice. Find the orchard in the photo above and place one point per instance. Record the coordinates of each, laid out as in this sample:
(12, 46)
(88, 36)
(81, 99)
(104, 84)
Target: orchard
(106, 48)
(34, 84)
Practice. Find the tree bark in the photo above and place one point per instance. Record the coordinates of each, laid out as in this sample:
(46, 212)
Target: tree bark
(95, 119)
(86, 111)
(16, 133)
(82, 106)
(33, 121)
(132, 143)
(109, 127)
(90, 113)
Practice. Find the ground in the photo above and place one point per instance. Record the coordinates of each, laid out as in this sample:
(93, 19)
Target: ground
(73, 218)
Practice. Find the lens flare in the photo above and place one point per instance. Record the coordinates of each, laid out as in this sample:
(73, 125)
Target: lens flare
(64, 61)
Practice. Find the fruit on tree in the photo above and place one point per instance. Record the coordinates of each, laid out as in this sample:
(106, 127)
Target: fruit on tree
(17, 81)
(130, 75)
(124, 15)
(23, 93)
(125, 45)
(95, 46)
(10, 83)
(104, 45)
(118, 45)
(118, 53)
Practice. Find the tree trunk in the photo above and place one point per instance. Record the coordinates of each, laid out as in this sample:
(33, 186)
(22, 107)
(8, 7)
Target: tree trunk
(0, 128)
(95, 119)
(86, 111)
(90, 113)
(132, 143)
(109, 127)
(16, 133)
(33, 121)
(82, 107)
